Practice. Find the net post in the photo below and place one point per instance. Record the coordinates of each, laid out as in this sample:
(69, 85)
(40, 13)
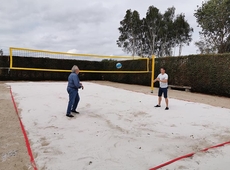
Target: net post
(152, 76)
(11, 57)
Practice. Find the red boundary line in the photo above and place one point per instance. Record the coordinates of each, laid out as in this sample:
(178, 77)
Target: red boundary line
(188, 155)
(24, 133)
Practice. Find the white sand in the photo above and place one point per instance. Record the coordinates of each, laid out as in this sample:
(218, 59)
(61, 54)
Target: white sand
(120, 130)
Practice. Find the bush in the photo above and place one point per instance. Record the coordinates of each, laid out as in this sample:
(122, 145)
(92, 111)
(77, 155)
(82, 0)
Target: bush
(208, 74)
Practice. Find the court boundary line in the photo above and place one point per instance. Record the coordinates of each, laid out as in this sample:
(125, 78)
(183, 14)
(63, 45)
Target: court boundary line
(24, 133)
(188, 155)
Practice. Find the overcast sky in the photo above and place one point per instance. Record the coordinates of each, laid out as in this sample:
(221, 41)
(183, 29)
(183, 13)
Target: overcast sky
(83, 26)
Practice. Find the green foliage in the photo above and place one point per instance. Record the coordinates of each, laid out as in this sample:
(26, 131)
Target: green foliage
(207, 74)
(154, 28)
(129, 39)
(205, 47)
(210, 74)
(183, 29)
(157, 33)
(213, 17)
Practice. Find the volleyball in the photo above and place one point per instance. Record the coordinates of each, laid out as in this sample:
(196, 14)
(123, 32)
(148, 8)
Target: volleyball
(118, 65)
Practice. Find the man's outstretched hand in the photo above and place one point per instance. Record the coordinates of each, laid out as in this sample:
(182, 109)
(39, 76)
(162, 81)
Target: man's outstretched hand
(82, 87)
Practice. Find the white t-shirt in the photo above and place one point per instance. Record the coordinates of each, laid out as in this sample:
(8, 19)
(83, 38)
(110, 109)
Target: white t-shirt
(163, 77)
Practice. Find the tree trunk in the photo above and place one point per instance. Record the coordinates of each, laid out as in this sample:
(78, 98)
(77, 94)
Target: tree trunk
(134, 45)
(153, 45)
(180, 49)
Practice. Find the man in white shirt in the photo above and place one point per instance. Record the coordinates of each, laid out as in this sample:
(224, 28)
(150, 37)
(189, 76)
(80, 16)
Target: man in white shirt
(163, 89)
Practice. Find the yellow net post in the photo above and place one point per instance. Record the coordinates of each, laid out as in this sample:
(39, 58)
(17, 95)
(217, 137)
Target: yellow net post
(152, 77)
(11, 58)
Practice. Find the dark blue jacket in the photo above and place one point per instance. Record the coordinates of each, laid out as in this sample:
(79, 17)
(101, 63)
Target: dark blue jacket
(73, 81)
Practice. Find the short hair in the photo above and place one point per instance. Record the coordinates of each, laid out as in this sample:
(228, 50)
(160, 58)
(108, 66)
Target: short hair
(74, 68)
(163, 68)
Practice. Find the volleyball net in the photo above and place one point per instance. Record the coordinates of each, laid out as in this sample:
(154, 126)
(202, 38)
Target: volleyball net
(51, 61)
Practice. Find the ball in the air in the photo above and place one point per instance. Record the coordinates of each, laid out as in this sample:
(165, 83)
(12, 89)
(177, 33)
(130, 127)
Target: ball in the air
(118, 65)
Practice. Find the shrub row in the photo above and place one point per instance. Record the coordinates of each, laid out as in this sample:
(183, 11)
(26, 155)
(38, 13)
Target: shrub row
(208, 74)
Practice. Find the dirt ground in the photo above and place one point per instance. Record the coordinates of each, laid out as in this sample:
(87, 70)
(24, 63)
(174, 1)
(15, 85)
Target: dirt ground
(13, 152)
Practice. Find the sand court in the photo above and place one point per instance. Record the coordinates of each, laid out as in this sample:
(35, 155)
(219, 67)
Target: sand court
(119, 129)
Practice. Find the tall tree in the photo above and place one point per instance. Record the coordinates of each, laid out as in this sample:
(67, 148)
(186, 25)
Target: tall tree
(136, 31)
(183, 32)
(154, 27)
(157, 33)
(129, 32)
(205, 46)
(143, 40)
(213, 17)
(167, 35)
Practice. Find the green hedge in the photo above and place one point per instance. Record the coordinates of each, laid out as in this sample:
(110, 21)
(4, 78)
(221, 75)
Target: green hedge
(4, 61)
(209, 74)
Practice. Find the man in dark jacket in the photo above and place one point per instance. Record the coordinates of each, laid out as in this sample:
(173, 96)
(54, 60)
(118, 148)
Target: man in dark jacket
(72, 88)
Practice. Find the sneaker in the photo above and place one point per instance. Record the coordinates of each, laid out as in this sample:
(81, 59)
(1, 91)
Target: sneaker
(69, 115)
(74, 111)
(166, 108)
(157, 106)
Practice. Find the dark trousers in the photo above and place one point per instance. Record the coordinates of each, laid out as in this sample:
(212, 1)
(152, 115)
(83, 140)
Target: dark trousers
(73, 100)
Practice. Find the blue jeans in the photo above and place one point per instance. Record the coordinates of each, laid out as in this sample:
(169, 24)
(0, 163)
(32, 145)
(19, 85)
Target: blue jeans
(73, 99)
